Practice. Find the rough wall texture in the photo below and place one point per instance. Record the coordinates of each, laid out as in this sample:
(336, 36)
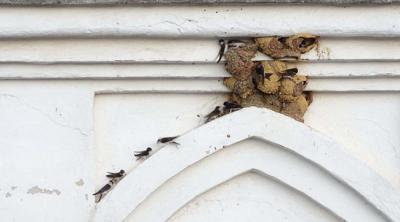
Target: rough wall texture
(154, 2)
(77, 100)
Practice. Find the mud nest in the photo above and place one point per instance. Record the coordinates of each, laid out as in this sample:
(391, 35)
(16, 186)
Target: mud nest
(270, 84)
(287, 46)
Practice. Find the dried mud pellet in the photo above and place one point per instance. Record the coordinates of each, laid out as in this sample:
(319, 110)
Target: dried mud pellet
(272, 102)
(230, 82)
(302, 43)
(273, 47)
(295, 109)
(270, 85)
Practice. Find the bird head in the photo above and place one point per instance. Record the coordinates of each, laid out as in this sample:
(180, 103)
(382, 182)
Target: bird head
(148, 149)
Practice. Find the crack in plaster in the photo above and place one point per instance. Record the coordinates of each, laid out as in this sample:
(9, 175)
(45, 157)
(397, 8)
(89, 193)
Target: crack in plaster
(44, 114)
(178, 26)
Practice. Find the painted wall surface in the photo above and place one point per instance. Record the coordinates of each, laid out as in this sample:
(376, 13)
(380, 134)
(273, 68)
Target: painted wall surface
(82, 88)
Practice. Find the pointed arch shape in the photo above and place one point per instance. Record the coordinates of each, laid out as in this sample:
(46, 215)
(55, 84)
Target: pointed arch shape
(267, 160)
(250, 122)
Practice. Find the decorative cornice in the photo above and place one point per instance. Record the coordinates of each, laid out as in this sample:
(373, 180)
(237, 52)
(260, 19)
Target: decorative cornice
(187, 2)
(205, 21)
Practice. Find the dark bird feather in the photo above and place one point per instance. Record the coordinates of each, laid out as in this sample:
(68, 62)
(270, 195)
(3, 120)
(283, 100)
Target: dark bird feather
(105, 188)
(290, 72)
(231, 105)
(121, 173)
(213, 114)
(260, 72)
(221, 49)
(166, 139)
(143, 153)
(307, 42)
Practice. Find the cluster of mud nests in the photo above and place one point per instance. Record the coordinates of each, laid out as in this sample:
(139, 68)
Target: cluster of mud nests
(270, 84)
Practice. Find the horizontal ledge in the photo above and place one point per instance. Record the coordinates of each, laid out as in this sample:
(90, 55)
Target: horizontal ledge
(259, 57)
(199, 21)
(207, 85)
(139, 50)
(186, 71)
(354, 84)
(189, 2)
(315, 85)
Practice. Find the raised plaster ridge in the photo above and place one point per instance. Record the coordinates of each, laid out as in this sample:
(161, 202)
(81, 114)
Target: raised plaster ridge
(190, 2)
(306, 142)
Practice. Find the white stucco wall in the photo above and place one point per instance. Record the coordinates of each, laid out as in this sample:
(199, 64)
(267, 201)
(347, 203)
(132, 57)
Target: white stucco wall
(82, 88)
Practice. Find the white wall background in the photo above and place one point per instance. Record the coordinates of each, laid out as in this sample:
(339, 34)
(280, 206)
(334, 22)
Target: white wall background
(82, 88)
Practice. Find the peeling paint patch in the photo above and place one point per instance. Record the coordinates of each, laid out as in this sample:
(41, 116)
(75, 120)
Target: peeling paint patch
(324, 53)
(8, 194)
(86, 197)
(13, 187)
(80, 182)
(36, 190)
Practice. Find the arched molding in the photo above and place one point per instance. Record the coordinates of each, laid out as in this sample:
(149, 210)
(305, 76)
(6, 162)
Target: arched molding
(266, 125)
(267, 160)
